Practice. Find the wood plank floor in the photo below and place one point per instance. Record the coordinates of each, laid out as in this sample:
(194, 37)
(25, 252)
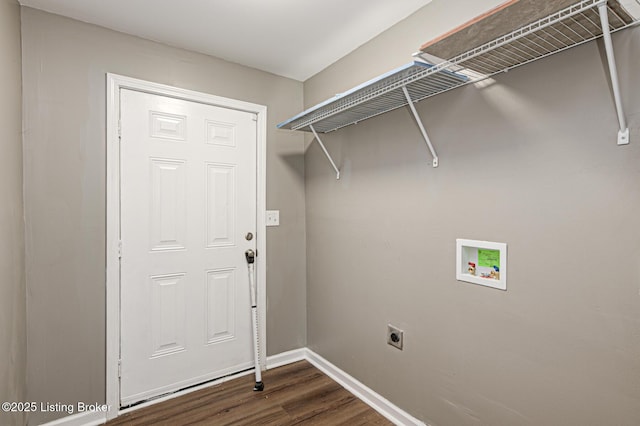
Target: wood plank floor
(295, 394)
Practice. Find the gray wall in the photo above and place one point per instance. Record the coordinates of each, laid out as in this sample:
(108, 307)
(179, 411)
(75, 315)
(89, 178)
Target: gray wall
(12, 285)
(64, 68)
(530, 160)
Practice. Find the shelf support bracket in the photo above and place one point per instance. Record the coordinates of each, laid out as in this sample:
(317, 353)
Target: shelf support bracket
(623, 133)
(422, 130)
(325, 151)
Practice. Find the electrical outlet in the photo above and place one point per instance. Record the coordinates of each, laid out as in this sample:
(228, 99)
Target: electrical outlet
(273, 218)
(395, 336)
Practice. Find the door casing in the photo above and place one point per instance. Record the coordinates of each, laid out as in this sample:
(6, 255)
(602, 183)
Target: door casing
(114, 84)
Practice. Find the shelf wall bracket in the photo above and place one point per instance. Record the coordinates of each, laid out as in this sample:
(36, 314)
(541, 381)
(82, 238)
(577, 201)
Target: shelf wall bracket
(422, 130)
(326, 153)
(623, 133)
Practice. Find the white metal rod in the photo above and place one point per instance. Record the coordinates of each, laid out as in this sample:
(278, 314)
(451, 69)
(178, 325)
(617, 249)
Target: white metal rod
(256, 348)
(613, 71)
(422, 130)
(254, 325)
(325, 151)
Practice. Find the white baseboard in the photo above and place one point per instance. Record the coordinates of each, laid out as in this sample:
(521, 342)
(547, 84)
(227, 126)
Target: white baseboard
(80, 419)
(376, 401)
(285, 358)
(383, 406)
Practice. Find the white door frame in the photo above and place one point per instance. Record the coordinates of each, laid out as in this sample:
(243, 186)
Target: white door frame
(114, 84)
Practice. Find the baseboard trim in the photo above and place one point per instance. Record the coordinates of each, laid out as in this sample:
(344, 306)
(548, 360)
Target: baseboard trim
(80, 419)
(285, 358)
(376, 401)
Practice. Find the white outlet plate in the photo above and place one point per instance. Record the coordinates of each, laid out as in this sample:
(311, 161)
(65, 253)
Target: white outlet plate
(273, 218)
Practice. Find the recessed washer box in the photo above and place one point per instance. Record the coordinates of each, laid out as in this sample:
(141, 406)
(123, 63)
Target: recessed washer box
(482, 262)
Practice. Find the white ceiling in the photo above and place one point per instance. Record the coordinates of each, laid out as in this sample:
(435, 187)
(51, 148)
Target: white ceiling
(291, 38)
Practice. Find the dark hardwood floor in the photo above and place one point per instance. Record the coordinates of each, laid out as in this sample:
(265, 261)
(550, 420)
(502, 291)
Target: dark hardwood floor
(294, 394)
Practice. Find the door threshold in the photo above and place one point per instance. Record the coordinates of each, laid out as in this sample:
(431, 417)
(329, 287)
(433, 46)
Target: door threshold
(184, 391)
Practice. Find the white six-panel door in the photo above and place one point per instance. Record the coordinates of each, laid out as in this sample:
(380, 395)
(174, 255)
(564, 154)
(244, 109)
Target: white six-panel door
(188, 200)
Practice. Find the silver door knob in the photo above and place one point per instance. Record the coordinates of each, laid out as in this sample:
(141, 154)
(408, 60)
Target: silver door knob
(250, 255)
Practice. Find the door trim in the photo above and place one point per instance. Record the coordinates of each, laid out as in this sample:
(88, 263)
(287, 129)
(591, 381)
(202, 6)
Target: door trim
(114, 84)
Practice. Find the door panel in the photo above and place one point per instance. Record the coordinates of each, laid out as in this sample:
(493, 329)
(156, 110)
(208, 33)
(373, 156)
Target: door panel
(188, 196)
(221, 296)
(221, 214)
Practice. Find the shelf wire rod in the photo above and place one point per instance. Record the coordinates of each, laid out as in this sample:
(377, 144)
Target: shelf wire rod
(542, 49)
(428, 88)
(563, 34)
(512, 56)
(595, 24)
(531, 57)
(591, 33)
(438, 89)
(504, 60)
(425, 90)
(623, 133)
(448, 89)
(555, 46)
(440, 79)
(514, 52)
(615, 14)
(587, 18)
(477, 66)
(555, 43)
(536, 53)
(474, 64)
(555, 38)
(502, 68)
(325, 151)
(422, 130)
(573, 31)
(496, 60)
(422, 93)
(490, 61)
(611, 27)
(436, 82)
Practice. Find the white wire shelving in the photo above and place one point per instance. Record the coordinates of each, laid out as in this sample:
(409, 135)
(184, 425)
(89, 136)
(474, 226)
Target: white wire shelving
(387, 92)
(376, 96)
(574, 25)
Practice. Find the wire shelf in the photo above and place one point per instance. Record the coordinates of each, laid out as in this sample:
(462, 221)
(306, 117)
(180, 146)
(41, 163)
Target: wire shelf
(572, 26)
(375, 97)
(567, 28)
